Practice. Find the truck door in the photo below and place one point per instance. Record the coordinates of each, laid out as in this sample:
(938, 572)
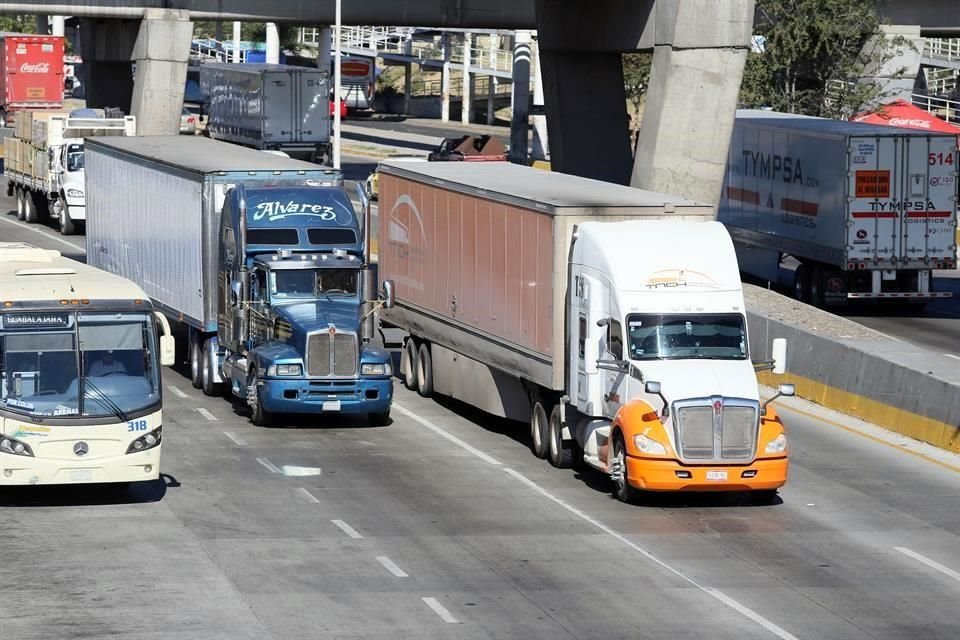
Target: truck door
(279, 121)
(876, 194)
(312, 103)
(928, 174)
(614, 382)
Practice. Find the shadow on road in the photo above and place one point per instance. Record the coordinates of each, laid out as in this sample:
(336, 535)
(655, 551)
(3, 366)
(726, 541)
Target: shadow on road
(87, 494)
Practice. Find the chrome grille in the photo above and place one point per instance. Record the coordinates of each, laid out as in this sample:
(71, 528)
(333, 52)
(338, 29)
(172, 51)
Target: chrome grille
(706, 432)
(332, 355)
(344, 354)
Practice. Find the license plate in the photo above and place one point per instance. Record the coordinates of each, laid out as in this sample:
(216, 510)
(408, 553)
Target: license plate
(81, 475)
(331, 405)
(716, 475)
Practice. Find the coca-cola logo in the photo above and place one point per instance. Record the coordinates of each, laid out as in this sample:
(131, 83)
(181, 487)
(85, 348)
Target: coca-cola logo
(909, 122)
(39, 67)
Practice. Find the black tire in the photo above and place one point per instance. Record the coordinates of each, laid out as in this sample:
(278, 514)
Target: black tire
(43, 209)
(258, 415)
(620, 480)
(424, 371)
(539, 430)
(410, 372)
(816, 287)
(560, 452)
(763, 497)
(67, 225)
(801, 283)
(21, 204)
(30, 215)
(3, 118)
(210, 388)
(196, 364)
(380, 419)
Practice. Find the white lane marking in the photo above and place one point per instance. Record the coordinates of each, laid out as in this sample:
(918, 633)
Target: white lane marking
(299, 472)
(454, 439)
(309, 497)
(439, 609)
(930, 563)
(49, 236)
(392, 567)
(206, 414)
(950, 355)
(347, 529)
(237, 440)
(719, 595)
(272, 468)
(176, 392)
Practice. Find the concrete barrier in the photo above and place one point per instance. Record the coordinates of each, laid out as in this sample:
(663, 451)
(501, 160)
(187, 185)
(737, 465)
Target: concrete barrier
(860, 372)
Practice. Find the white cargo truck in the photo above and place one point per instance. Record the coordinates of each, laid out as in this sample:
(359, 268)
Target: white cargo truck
(268, 106)
(44, 163)
(864, 212)
(610, 318)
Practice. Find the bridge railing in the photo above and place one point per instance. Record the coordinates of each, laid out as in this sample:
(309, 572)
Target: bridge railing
(943, 108)
(940, 81)
(216, 50)
(423, 88)
(942, 48)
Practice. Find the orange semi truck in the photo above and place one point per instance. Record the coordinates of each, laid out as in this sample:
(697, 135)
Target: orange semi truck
(609, 319)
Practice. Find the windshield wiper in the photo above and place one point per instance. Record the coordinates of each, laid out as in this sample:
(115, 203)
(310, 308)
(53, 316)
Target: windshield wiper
(104, 399)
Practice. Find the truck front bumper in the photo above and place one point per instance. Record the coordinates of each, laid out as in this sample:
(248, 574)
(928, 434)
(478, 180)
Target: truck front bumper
(669, 475)
(363, 395)
(78, 211)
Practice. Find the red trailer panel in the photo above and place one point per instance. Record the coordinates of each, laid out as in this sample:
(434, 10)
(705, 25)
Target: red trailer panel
(31, 72)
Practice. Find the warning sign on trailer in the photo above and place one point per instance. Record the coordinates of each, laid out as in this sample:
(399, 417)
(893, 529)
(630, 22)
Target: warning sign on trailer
(873, 184)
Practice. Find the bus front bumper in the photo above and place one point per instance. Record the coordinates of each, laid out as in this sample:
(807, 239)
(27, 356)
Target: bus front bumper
(364, 395)
(133, 467)
(669, 475)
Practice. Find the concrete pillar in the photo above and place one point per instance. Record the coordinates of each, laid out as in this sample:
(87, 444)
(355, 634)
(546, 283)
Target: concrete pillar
(445, 80)
(407, 86)
(541, 145)
(897, 75)
(42, 24)
(161, 53)
(273, 44)
(467, 103)
(107, 47)
(491, 100)
(324, 48)
(218, 30)
(236, 42)
(57, 25)
(520, 119)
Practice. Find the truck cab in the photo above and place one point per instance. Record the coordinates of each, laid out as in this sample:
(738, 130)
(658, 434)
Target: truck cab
(293, 305)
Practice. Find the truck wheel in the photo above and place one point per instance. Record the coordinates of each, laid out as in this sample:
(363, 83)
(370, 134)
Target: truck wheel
(21, 205)
(380, 419)
(561, 453)
(539, 430)
(424, 371)
(67, 227)
(816, 287)
(43, 209)
(3, 118)
(801, 283)
(622, 490)
(258, 415)
(410, 368)
(196, 364)
(30, 207)
(210, 388)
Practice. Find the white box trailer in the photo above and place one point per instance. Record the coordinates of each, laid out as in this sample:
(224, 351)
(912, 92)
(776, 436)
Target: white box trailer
(268, 106)
(867, 211)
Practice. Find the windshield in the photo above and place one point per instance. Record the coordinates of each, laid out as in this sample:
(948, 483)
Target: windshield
(114, 352)
(313, 283)
(674, 337)
(75, 158)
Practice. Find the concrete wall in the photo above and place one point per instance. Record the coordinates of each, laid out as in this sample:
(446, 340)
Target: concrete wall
(857, 371)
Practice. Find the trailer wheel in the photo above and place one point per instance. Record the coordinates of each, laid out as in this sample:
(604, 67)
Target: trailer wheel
(561, 453)
(539, 426)
(210, 388)
(67, 226)
(622, 490)
(816, 287)
(196, 363)
(424, 371)
(410, 365)
(801, 283)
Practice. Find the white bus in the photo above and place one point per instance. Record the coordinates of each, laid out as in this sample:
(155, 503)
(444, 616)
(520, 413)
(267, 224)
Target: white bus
(80, 357)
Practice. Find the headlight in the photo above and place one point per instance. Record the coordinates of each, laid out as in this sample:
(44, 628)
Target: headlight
(777, 445)
(284, 370)
(148, 441)
(376, 369)
(649, 445)
(75, 193)
(17, 448)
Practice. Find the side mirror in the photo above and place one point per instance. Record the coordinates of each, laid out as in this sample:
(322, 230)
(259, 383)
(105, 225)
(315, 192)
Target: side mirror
(602, 322)
(654, 388)
(388, 296)
(779, 354)
(784, 390)
(167, 351)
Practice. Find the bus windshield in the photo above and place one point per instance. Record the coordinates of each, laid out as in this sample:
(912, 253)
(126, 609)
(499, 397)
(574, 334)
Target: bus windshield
(675, 337)
(91, 365)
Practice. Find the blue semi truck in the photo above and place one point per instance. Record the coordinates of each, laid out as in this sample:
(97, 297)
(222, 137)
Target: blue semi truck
(263, 259)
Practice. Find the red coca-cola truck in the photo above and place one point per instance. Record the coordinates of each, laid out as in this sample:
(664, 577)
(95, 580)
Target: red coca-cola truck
(31, 74)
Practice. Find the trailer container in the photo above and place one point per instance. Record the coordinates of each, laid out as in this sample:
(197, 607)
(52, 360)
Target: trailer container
(31, 73)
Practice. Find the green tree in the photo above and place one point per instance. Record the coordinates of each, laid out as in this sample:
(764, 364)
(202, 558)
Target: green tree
(636, 80)
(815, 56)
(18, 24)
(252, 32)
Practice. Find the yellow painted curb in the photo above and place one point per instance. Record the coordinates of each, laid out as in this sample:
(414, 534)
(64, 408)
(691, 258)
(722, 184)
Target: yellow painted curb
(937, 433)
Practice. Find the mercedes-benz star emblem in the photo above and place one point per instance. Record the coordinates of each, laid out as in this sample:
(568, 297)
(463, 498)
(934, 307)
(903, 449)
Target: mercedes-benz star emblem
(81, 448)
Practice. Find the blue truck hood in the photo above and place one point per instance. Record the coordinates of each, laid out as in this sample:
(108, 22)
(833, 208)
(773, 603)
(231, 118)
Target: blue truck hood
(315, 315)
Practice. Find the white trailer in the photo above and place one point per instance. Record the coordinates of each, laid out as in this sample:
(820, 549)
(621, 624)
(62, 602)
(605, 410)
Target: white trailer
(867, 211)
(268, 106)
(44, 164)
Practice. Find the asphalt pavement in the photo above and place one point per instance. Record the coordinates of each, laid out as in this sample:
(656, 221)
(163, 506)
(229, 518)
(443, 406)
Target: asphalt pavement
(443, 525)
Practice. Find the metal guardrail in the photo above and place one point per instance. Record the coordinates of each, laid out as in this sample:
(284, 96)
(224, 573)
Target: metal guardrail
(481, 90)
(216, 50)
(943, 108)
(942, 48)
